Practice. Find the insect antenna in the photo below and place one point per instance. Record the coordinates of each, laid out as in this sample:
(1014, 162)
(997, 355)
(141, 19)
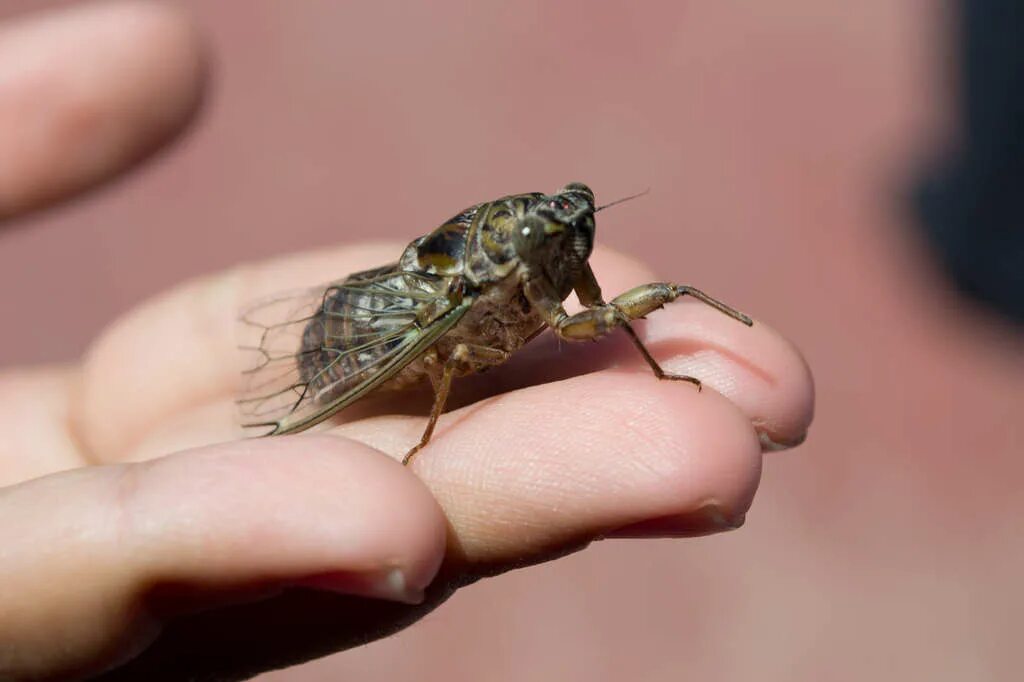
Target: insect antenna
(619, 201)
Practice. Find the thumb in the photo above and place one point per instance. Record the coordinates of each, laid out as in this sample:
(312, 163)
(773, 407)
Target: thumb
(94, 561)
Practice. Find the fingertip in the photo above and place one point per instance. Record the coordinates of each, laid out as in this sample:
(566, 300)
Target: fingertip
(540, 469)
(758, 369)
(100, 557)
(707, 460)
(294, 510)
(787, 425)
(87, 91)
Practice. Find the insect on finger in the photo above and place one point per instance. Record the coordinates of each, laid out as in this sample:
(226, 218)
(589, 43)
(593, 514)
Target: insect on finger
(457, 301)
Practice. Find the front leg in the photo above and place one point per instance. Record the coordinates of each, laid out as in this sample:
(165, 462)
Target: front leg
(636, 303)
(588, 291)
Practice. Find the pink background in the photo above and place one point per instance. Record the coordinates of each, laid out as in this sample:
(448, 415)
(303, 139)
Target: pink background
(780, 141)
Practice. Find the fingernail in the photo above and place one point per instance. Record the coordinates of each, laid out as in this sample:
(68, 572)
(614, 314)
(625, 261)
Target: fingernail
(390, 584)
(707, 519)
(771, 443)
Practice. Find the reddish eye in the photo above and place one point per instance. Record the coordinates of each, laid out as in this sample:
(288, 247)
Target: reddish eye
(565, 205)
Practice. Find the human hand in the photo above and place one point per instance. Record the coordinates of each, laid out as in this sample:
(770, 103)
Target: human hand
(140, 537)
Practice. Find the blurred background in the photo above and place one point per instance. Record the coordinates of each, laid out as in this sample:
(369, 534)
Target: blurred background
(807, 163)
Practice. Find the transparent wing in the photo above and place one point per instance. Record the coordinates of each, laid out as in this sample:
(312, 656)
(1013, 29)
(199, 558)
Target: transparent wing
(314, 352)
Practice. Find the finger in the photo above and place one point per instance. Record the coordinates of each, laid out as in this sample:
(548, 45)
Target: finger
(528, 474)
(87, 91)
(98, 559)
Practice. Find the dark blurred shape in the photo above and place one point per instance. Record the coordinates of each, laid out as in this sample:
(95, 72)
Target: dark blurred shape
(973, 206)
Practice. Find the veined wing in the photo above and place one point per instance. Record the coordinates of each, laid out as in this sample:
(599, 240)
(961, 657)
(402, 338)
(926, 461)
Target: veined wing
(316, 352)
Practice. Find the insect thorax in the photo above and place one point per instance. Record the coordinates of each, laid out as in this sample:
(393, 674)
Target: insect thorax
(480, 244)
(476, 244)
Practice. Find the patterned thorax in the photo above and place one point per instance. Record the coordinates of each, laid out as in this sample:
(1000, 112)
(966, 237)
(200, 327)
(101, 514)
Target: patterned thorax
(552, 235)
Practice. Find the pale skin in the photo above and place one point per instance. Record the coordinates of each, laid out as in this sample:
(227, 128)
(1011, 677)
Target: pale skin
(131, 531)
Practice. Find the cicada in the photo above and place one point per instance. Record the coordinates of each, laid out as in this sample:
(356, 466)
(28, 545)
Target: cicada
(459, 300)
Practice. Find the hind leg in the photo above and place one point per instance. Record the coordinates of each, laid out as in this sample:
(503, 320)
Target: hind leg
(464, 357)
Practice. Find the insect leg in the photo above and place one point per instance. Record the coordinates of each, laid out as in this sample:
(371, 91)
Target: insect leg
(442, 388)
(636, 303)
(646, 298)
(464, 357)
(588, 291)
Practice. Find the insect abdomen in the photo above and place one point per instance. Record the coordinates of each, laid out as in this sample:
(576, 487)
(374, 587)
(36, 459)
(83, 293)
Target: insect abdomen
(355, 332)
